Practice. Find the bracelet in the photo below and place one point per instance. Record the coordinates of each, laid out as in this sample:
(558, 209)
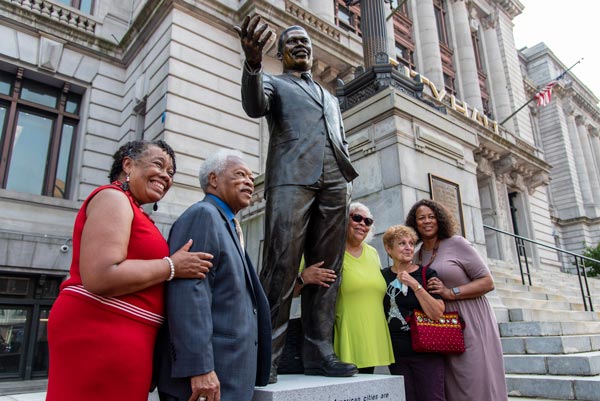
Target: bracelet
(171, 266)
(419, 287)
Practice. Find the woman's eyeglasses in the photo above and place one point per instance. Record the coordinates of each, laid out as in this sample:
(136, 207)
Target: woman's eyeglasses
(358, 218)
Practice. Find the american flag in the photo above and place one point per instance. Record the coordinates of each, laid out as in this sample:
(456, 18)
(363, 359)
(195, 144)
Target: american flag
(545, 95)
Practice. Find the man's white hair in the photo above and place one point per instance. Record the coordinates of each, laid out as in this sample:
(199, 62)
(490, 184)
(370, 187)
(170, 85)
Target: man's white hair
(216, 163)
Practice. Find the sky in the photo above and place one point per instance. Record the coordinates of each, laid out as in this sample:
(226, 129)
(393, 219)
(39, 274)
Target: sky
(570, 28)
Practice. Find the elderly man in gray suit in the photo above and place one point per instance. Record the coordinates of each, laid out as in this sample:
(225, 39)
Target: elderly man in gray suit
(307, 179)
(216, 343)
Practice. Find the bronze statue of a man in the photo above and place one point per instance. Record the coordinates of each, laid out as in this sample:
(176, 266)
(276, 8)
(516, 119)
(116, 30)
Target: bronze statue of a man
(307, 181)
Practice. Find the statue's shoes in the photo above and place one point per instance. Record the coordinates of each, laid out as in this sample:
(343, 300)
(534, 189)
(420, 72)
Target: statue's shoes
(330, 366)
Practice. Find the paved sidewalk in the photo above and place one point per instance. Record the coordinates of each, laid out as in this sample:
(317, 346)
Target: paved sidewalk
(42, 397)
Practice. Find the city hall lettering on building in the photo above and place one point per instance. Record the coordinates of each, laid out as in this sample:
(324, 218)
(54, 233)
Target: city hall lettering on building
(454, 103)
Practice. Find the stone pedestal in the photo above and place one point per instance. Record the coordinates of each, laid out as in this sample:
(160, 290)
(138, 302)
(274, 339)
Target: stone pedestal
(361, 387)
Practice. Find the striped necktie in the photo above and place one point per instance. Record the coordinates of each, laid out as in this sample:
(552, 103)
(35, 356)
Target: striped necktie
(238, 230)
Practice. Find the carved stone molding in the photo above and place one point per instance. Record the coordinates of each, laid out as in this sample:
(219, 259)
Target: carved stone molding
(511, 7)
(505, 165)
(485, 159)
(490, 21)
(484, 166)
(580, 120)
(537, 179)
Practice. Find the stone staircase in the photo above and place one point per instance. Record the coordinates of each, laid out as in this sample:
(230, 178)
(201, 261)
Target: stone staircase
(551, 344)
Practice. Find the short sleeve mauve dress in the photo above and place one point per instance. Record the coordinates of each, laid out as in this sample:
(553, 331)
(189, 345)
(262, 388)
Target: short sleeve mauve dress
(478, 373)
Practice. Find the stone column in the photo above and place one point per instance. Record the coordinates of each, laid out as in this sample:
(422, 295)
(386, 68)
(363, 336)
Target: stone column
(588, 158)
(595, 136)
(496, 76)
(429, 43)
(323, 9)
(584, 183)
(374, 30)
(391, 36)
(466, 55)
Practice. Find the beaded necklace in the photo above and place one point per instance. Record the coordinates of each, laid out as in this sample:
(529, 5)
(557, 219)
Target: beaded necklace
(433, 255)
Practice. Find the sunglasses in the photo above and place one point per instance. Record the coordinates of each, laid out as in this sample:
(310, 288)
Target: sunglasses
(358, 218)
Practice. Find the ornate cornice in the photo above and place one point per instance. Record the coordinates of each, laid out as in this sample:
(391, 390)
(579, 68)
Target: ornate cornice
(522, 170)
(511, 7)
(581, 101)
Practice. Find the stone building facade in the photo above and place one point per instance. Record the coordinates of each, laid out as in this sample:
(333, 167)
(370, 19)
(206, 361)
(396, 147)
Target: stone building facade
(80, 77)
(567, 130)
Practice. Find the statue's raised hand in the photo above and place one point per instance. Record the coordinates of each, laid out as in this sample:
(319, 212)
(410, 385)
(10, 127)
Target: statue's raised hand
(252, 39)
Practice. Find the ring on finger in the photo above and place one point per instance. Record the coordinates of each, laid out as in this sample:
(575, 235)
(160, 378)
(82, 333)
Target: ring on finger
(201, 398)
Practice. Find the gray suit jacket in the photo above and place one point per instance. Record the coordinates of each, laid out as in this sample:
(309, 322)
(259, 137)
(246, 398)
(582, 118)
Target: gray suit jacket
(299, 125)
(221, 323)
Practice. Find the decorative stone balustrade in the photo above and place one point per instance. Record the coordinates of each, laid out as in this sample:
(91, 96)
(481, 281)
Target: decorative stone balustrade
(313, 20)
(58, 13)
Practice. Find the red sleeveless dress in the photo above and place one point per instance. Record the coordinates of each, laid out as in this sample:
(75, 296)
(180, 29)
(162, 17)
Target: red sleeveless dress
(101, 347)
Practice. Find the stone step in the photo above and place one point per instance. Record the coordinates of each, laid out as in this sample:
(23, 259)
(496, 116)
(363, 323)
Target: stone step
(583, 364)
(543, 271)
(537, 328)
(524, 288)
(566, 292)
(530, 399)
(554, 387)
(549, 315)
(550, 344)
(524, 294)
(515, 302)
(547, 278)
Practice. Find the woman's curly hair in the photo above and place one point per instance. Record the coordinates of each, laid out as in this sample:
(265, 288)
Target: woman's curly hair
(394, 233)
(446, 222)
(134, 150)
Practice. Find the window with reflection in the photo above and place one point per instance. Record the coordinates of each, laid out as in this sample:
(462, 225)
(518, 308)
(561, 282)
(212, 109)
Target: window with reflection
(446, 50)
(483, 87)
(440, 20)
(39, 128)
(85, 6)
(347, 17)
(25, 303)
(403, 36)
(12, 338)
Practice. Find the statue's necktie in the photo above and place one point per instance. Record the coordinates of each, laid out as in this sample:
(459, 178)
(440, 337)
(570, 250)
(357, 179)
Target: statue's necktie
(312, 86)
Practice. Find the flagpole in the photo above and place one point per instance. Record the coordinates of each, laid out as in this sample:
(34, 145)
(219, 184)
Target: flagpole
(400, 4)
(561, 76)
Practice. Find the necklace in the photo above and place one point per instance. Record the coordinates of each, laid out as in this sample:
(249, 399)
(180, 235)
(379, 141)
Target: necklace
(433, 255)
(127, 192)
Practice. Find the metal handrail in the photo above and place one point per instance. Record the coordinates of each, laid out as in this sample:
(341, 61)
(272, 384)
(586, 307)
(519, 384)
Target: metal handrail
(579, 263)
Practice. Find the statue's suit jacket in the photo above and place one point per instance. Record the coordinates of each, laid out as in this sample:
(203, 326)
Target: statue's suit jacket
(299, 124)
(221, 323)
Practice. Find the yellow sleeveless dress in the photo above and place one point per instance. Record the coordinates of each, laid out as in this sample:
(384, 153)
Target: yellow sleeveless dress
(361, 334)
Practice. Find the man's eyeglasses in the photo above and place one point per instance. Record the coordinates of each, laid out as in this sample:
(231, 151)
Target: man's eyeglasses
(358, 218)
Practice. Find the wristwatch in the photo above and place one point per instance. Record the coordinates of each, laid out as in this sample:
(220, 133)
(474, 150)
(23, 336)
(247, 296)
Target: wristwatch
(299, 279)
(456, 292)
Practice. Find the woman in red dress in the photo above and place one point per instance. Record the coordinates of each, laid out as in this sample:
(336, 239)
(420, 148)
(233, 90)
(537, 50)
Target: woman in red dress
(103, 325)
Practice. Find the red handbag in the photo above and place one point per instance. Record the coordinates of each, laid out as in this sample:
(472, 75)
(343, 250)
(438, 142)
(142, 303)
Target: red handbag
(442, 336)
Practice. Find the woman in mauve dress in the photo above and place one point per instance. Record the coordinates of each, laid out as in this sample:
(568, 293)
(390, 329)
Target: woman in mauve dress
(463, 280)
(103, 325)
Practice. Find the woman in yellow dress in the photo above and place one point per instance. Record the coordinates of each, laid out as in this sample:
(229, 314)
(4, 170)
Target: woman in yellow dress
(361, 335)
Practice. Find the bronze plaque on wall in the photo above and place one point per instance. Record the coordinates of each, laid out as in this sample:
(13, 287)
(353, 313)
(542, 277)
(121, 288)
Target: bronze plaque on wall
(447, 193)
